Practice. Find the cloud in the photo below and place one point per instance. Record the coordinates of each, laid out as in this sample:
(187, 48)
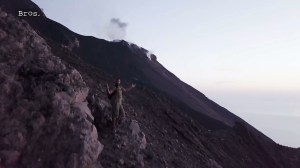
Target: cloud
(116, 29)
(224, 82)
(149, 53)
(151, 56)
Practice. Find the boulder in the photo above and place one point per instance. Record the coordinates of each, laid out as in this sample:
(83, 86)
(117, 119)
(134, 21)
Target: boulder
(9, 157)
(134, 127)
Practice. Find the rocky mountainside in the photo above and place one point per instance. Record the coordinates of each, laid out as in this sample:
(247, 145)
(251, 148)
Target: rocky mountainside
(54, 111)
(44, 115)
(127, 61)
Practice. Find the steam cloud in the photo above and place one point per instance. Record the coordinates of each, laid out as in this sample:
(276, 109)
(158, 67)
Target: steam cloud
(116, 29)
(149, 53)
(151, 56)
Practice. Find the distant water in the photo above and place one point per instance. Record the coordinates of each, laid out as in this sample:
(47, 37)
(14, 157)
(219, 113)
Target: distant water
(277, 115)
(283, 129)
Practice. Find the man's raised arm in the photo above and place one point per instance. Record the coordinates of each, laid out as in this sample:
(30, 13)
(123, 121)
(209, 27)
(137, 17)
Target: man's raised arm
(109, 92)
(128, 89)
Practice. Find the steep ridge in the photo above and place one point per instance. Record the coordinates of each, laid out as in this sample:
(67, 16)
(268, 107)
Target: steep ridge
(130, 62)
(173, 138)
(124, 60)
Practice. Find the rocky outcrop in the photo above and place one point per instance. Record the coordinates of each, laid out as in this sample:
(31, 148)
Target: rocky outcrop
(153, 57)
(44, 116)
(127, 146)
(71, 44)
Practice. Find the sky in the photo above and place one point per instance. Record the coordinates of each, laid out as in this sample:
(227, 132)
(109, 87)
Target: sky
(244, 55)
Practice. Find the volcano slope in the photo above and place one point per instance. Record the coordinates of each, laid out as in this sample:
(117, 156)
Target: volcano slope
(159, 131)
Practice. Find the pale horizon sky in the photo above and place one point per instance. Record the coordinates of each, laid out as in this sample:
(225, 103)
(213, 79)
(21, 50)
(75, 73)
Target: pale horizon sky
(244, 55)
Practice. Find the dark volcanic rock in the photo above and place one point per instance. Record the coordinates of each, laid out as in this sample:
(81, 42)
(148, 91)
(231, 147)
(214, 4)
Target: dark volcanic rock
(129, 62)
(44, 117)
(49, 110)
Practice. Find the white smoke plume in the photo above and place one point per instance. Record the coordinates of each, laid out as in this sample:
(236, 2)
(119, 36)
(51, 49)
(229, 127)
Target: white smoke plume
(149, 53)
(116, 29)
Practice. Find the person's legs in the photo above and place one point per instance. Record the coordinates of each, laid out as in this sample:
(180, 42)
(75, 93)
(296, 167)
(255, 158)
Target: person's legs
(122, 114)
(115, 114)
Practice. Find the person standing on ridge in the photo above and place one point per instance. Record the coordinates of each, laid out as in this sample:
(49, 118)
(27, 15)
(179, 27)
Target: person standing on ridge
(116, 98)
